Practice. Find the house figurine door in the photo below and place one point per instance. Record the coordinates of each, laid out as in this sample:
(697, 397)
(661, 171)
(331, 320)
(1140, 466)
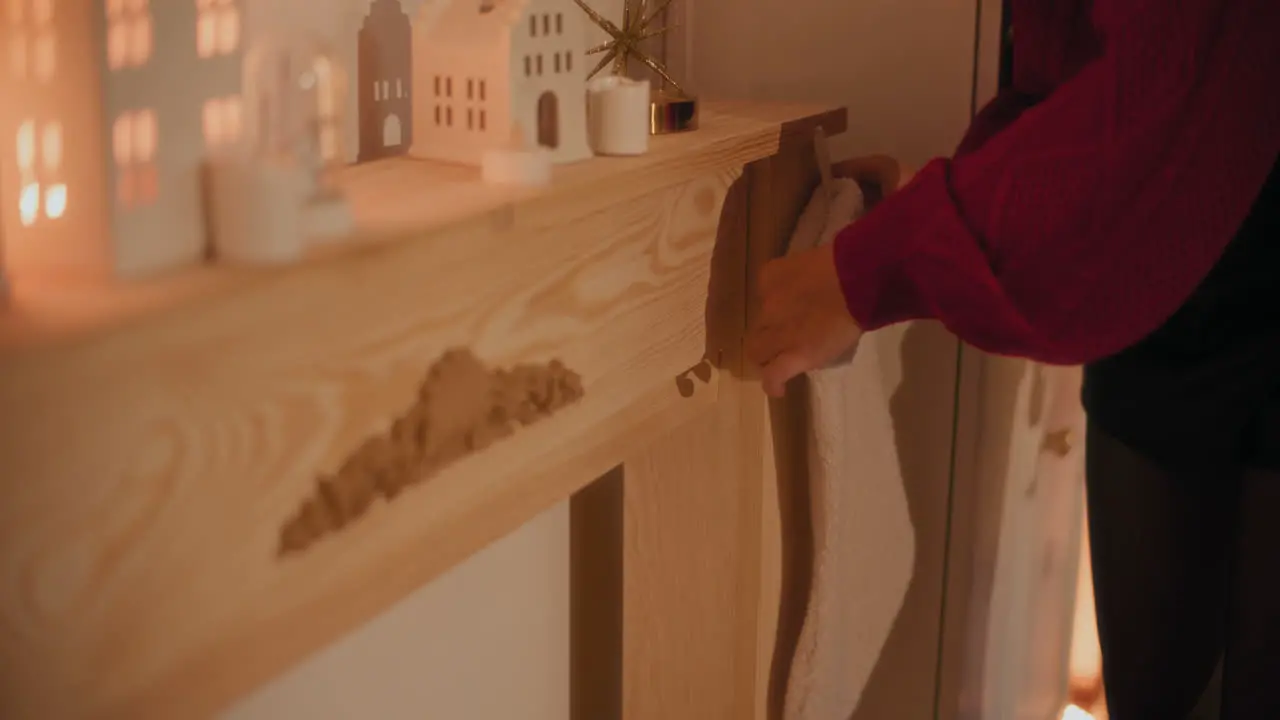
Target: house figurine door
(384, 77)
(549, 120)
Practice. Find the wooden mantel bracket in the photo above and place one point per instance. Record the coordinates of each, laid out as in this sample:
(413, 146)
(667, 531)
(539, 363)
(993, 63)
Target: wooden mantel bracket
(461, 408)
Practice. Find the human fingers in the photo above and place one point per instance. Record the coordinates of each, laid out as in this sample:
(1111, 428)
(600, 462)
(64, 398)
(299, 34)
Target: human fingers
(880, 170)
(775, 374)
(764, 342)
(767, 275)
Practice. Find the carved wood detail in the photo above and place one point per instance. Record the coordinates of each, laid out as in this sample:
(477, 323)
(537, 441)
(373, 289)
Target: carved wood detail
(461, 408)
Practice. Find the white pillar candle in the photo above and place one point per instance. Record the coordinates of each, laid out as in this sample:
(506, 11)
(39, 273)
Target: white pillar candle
(618, 115)
(326, 217)
(257, 211)
(516, 166)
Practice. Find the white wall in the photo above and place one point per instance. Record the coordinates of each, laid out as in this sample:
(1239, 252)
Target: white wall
(904, 69)
(488, 640)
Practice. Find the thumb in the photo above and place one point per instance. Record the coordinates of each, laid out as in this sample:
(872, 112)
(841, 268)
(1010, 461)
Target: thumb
(777, 372)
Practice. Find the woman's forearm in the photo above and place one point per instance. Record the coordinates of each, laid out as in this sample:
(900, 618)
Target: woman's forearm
(1085, 223)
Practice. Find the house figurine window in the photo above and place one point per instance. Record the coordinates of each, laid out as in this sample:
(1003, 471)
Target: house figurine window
(221, 122)
(326, 83)
(129, 33)
(38, 143)
(133, 141)
(124, 111)
(217, 27)
(32, 49)
(294, 94)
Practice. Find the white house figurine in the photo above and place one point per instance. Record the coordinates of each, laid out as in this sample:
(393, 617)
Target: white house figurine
(481, 67)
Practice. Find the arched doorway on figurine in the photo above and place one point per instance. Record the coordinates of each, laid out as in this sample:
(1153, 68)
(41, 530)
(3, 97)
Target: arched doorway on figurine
(549, 120)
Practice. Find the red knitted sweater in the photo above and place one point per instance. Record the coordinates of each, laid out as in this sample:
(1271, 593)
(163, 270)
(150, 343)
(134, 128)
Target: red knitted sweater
(1090, 199)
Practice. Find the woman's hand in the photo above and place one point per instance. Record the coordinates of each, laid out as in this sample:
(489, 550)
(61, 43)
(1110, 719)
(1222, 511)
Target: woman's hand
(879, 175)
(803, 323)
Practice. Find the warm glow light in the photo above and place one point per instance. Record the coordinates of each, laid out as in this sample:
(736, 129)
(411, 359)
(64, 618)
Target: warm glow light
(325, 100)
(29, 204)
(27, 145)
(134, 139)
(206, 34)
(212, 122)
(1073, 712)
(217, 27)
(122, 139)
(1086, 652)
(140, 42)
(117, 45)
(16, 11)
(129, 33)
(222, 120)
(55, 201)
(43, 11)
(52, 147)
(46, 57)
(229, 30)
(144, 136)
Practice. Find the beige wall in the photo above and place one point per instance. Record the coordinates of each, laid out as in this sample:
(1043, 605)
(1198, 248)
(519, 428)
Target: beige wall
(904, 69)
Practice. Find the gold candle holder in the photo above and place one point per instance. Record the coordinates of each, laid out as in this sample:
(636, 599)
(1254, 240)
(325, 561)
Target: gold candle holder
(672, 113)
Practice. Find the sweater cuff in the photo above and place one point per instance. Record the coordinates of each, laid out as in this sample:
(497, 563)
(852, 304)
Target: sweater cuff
(914, 258)
(875, 256)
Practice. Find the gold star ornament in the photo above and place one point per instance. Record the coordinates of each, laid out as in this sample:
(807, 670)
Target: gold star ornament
(627, 41)
(669, 112)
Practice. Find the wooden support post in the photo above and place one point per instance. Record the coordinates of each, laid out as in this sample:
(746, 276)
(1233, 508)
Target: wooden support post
(595, 599)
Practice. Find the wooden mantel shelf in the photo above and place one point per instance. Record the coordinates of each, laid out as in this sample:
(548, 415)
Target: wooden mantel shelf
(399, 200)
(155, 436)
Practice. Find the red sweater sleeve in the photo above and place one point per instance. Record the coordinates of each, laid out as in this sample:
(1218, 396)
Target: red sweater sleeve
(1087, 222)
(993, 118)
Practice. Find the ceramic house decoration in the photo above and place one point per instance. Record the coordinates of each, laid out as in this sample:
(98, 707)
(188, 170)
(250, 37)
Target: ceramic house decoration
(384, 111)
(118, 103)
(482, 67)
(115, 111)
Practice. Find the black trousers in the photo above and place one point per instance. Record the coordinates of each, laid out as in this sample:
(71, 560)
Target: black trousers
(1186, 568)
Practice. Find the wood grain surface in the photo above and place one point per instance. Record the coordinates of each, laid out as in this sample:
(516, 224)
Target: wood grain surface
(153, 437)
